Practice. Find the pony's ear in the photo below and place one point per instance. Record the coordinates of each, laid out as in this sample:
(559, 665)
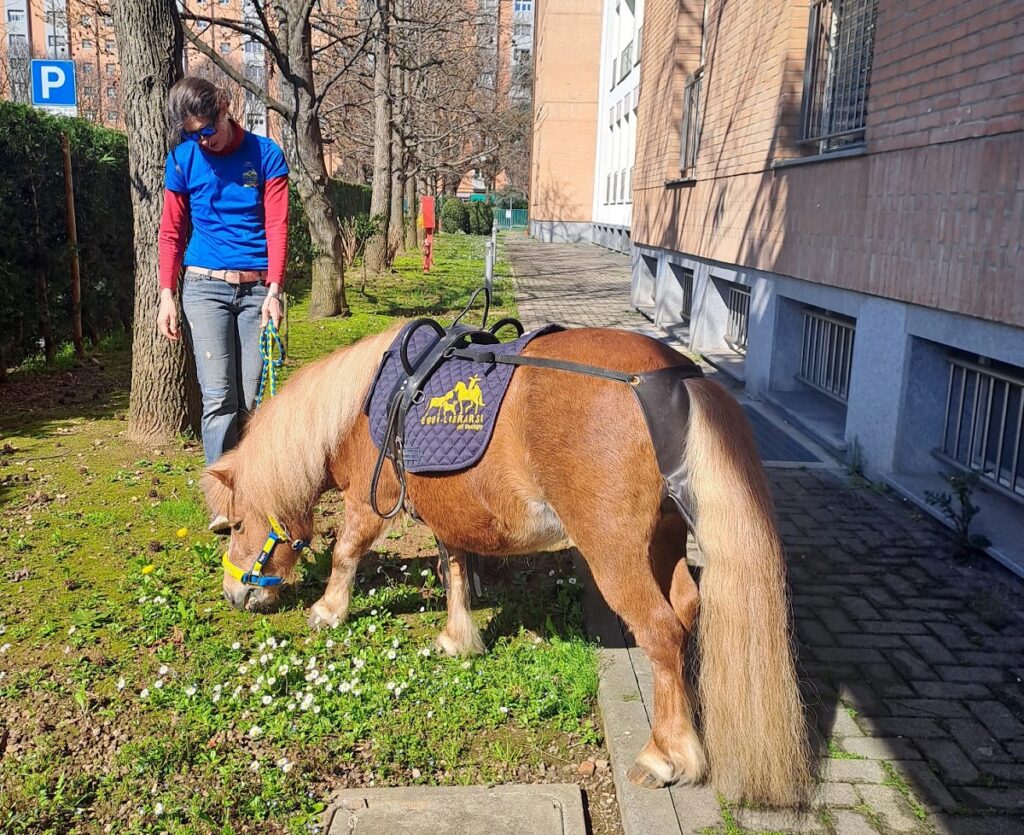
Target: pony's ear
(218, 483)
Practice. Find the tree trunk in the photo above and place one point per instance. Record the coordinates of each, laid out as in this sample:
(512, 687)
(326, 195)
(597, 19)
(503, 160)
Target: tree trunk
(412, 240)
(396, 236)
(165, 394)
(304, 146)
(380, 198)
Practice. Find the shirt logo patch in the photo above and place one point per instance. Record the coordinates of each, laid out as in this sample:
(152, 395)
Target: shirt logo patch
(250, 179)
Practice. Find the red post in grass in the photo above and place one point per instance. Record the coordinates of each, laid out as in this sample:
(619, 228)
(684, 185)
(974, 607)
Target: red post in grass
(427, 215)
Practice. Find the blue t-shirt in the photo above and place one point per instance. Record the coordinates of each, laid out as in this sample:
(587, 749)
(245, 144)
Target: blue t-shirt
(226, 201)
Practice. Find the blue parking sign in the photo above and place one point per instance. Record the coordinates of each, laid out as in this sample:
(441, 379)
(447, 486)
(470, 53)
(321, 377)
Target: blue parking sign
(53, 83)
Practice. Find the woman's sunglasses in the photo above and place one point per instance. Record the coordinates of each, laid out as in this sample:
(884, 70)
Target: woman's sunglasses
(202, 133)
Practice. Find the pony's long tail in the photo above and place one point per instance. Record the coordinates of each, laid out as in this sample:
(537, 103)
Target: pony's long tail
(752, 713)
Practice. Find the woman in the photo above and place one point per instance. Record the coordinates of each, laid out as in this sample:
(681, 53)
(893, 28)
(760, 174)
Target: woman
(231, 186)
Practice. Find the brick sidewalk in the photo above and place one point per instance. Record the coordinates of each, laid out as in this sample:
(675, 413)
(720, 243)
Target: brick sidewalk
(912, 663)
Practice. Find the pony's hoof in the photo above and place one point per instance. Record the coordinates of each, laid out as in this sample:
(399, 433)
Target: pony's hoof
(473, 646)
(320, 618)
(651, 773)
(447, 645)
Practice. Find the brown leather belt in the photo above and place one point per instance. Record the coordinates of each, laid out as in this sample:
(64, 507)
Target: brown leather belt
(230, 276)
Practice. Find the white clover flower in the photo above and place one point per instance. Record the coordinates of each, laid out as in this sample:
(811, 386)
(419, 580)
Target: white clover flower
(425, 573)
(254, 765)
(423, 608)
(264, 659)
(412, 673)
(559, 581)
(404, 568)
(255, 732)
(395, 643)
(190, 691)
(316, 709)
(466, 665)
(267, 700)
(398, 692)
(430, 714)
(503, 709)
(236, 645)
(271, 681)
(359, 663)
(242, 669)
(332, 667)
(312, 662)
(217, 688)
(282, 670)
(389, 686)
(159, 683)
(285, 764)
(372, 592)
(392, 655)
(237, 692)
(572, 581)
(143, 599)
(158, 809)
(291, 705)
(371, 628)
(71, 630)
(272, 642)
(373, 612)
(216, 698)
(4, 648)
(121, 683)
(328, 688)
(283, 644)
(357, 693)
(253, 688)
(329, 643)
(144, 694)
(425, 652)
(162, 671)
(344, 687)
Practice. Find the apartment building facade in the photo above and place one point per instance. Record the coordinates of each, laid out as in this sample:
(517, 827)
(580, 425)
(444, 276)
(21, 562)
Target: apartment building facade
(83, 31)
(828, 203)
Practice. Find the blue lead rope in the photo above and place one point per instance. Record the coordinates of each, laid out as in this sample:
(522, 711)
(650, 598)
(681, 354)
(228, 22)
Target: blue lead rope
(270, 339)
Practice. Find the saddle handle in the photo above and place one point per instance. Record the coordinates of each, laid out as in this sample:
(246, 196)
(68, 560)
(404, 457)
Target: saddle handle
(403, 348)
(506, 322)
(472, 300)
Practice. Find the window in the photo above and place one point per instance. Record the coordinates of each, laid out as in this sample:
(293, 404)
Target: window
(88, 91)
(17, 42)
(86, 19)
(15, 15)
(111, 115)
(837, 73)
(523, 6)
(111, 92)
(253, 48)
(87, 44)
(626, 62)
(110, 45)
(615, 72)
(88, 69)
(223, 2)
(111, 68)
(690, 133)
(225, 47)
(521, 56)
(55, 40)
(202, 25)
(107, 20)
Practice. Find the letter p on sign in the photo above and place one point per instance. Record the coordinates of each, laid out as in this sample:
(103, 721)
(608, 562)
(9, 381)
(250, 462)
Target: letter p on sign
(53, 83)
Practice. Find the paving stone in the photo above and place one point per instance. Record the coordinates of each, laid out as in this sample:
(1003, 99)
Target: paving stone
(883, 672)
(998, 719)
(813, 633)
(952, 636)
(697, 809)
(982, 658)
(891, 806)
(931, 649)
(911, 665)
(459, 810)
(857, 606)
(926, 787)
(852, 823)
(889, 627)
(842, 724)
(856, 639)
(914, 729)
(977, 741)
(1008, 772)
(980, 825)
(885, 748)
(948, 690)
(837, 794)
(939, 708)
(845, 655)
(988, 675)
(953, 763)
(761, 821)
(853, 771)
(836, 620)
(1008, 799)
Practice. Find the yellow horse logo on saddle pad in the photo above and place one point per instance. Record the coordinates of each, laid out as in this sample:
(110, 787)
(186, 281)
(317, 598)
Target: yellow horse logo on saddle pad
(461, 407)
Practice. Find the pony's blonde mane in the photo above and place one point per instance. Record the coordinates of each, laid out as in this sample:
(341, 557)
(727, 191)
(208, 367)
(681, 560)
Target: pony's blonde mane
(281, 462)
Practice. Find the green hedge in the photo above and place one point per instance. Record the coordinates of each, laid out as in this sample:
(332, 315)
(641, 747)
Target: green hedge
(32, 165)
(454, 216)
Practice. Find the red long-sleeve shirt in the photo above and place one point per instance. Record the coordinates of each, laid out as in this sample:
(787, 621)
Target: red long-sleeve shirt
(173, 235)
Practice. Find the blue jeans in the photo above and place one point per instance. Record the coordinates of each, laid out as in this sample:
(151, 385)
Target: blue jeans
(224, 322)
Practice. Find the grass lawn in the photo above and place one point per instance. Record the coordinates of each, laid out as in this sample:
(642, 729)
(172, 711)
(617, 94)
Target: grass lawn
(133, 699)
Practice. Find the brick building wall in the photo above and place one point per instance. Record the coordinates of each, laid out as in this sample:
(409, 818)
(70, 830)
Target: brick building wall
(931, 214)
(567, 46)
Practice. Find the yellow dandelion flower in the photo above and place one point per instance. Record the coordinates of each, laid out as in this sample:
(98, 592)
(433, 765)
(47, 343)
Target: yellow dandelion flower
(148, 569)
(182, 533)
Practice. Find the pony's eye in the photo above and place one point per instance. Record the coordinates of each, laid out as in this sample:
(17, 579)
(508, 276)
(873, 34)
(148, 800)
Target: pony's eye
(238, 527)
